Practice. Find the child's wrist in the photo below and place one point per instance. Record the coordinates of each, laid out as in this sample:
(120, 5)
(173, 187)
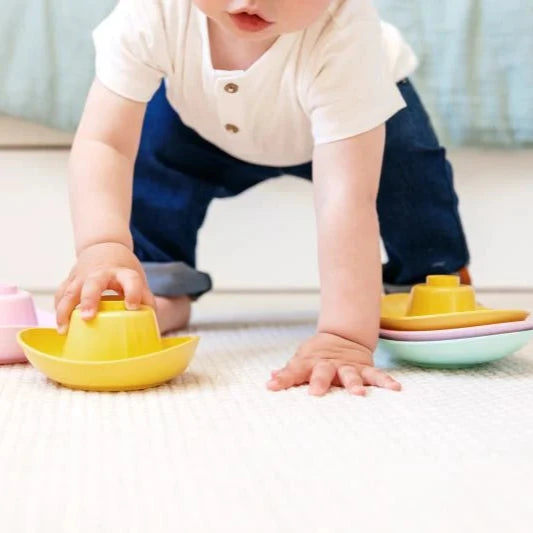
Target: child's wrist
(350, 327)
(85, 246)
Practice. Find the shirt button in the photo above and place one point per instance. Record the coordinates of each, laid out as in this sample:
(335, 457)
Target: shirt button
(232, 128)
(231, 88)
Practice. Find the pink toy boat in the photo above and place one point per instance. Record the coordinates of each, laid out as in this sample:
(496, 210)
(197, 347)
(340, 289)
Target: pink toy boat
(17, 312)
(458, 333)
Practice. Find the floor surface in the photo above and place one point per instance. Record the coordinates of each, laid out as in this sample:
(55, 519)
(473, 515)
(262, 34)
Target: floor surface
(214, 451)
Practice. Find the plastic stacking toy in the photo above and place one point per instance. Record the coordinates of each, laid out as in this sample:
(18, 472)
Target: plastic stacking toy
(118, 350)
(17, 312)
(457, 333)
(439, 324)
(441, 303)
(457, 353)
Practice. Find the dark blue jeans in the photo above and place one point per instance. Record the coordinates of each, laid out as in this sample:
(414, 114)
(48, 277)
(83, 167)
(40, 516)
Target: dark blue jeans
(178, 173)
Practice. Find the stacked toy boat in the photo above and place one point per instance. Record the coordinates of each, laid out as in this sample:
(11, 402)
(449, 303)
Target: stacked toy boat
(440, 324)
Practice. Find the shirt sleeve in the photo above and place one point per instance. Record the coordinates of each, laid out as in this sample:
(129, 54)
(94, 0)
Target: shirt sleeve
(351, 89)
(132, 55)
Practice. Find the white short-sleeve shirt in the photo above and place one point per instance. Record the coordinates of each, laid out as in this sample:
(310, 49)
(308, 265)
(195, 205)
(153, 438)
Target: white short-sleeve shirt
(333, 80)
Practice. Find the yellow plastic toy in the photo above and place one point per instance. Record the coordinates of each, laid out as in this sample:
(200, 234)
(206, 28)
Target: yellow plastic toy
(118, 350)
(441, 303)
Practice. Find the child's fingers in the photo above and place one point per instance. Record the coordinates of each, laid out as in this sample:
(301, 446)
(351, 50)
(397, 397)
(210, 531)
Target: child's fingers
(66, 304)
(61, 291)
(148, 298)
(351, 380)
(282, 380)
(374, 376)
(287, 377)
(133, 287)
(91, 293)
(321, 378)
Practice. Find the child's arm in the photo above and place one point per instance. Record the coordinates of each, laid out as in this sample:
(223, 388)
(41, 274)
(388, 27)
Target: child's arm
(346, 180)
(100, 181)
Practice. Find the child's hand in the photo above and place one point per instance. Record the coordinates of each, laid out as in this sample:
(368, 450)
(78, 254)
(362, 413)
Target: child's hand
(326, 360)
(101, 267)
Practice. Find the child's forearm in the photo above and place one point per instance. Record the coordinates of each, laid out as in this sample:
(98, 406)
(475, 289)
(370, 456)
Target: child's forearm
(346, 177)
(100, 194)
(101, 168)
(350, 271)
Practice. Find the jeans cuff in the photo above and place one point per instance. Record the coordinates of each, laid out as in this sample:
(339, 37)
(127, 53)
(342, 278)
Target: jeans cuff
(176, 279)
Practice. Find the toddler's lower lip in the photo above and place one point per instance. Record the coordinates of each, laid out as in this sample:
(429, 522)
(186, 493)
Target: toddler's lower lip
(247, 22)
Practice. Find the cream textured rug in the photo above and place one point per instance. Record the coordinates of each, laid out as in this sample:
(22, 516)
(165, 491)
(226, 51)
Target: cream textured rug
(214, 451)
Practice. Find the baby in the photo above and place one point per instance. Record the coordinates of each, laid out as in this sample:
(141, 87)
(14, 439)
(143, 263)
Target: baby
(241, 91)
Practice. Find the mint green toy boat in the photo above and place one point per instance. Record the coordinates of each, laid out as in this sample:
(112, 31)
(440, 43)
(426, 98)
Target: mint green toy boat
(457, 353)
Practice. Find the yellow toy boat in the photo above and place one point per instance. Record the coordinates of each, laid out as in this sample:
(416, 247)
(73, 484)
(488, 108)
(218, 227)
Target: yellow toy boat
(440, 303)
(118, 350)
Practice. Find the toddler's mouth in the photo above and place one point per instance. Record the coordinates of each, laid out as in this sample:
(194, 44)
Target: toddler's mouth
(249, 21)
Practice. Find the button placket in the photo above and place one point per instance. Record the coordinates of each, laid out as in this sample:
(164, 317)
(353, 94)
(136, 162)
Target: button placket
(230, 107)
